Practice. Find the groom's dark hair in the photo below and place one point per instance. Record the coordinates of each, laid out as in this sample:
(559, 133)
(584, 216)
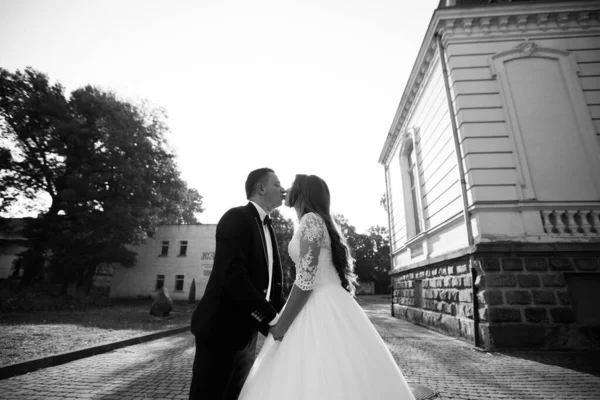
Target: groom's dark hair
(254, 177)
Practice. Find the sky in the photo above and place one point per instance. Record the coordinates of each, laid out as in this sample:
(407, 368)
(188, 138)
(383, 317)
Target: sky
(302, 87)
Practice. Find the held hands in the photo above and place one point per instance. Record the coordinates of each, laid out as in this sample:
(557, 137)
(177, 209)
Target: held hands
(277, 331)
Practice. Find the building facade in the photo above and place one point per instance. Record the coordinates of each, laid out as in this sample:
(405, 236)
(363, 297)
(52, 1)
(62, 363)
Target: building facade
(176, 255)
(492, 167)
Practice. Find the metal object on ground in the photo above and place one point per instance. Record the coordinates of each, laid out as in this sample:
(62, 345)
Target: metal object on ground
(424, 393)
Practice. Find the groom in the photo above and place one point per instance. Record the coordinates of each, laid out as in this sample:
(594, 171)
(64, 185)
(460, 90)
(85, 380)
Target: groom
(243, 294)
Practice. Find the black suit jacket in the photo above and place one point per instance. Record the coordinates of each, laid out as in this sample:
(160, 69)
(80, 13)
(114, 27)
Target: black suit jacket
(234, 305)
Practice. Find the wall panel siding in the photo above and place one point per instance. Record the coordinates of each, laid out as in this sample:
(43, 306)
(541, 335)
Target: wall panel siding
(436, 156)
(450, 210)
(482, 129)
(590, 83)
(477, 100)
(431, 121)
(481, 119)
(574, 43)
(473, 74)
(429, 102)
(492, 193)
(483, 176)
(489, 156)
(589, 69)
(586, 56)
(444, 149)
(468, 61)
(475, 87)
(397, 217)
(597, 126)
(443, 199)
(481, 114)
(592, 97)
(435, 176)
(469, 67)
(481, 161)
(436, 191)
(432, 129)
(486, 145)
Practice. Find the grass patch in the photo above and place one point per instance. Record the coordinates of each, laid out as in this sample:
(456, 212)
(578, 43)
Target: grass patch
(27, 336)
(31, 335)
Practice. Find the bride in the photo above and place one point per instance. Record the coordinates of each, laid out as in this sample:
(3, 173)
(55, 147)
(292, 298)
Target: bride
(323, 346)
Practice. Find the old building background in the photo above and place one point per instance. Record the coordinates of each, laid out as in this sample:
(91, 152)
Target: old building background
(176, 255)
(492, 166)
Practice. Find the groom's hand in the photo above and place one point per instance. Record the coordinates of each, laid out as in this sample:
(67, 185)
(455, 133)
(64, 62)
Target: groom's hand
(277, 332)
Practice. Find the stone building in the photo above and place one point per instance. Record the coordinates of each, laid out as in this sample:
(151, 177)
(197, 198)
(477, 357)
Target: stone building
(492, 167)
(176, 255)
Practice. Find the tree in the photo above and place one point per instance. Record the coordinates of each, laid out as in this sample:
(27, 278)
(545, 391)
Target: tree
(348, 231)
(370, 252)
(284, 230)
(105, 165)
(381, 258)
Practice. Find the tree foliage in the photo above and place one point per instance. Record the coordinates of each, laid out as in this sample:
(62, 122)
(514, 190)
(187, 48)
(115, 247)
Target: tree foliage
(284, 230)
(370, 252)
(105, 165)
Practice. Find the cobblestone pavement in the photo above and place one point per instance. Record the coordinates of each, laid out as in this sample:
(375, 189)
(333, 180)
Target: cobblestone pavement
(161, 369)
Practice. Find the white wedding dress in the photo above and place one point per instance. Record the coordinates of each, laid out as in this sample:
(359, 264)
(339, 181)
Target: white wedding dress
(331, 351)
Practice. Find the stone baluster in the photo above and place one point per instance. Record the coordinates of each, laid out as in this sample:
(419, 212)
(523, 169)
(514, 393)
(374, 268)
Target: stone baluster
(586, 227)
(595, 217)
(561, 227)
(572, 225)
(546, 221)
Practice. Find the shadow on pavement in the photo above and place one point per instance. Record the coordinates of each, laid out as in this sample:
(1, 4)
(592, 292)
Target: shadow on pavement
(155, 370)
(586, 361)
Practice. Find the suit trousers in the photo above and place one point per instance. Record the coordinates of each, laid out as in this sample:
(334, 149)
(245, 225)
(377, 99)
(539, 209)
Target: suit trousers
(219, 372)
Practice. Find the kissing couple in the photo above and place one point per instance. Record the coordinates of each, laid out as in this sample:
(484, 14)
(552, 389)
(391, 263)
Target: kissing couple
(320, 343)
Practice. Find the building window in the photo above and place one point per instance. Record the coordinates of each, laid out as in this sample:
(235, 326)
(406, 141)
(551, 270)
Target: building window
(411, 185)
(164, 251)
(414, 193)
(183, 248)
(160, 281)
(179, 283)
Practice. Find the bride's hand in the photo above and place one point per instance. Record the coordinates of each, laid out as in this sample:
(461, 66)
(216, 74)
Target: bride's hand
(277, 331)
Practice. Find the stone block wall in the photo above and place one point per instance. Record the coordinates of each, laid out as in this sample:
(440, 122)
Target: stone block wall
(525, 302)
(439, 296)
(521, 298)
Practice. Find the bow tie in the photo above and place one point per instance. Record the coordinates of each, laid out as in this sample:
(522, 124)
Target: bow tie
(267, 221)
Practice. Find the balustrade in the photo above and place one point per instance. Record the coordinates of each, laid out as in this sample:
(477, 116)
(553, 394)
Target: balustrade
(571, 222)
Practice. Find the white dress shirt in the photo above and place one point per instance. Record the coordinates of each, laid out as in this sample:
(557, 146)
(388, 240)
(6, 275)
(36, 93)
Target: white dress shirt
(269, 245)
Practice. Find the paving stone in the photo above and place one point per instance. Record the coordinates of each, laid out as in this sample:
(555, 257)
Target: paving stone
(161, 369)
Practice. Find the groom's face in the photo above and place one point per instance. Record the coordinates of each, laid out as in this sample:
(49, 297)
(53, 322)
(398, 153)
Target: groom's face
(274, 192)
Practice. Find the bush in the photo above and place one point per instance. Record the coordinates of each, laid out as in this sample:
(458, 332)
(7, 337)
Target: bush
(192, 295)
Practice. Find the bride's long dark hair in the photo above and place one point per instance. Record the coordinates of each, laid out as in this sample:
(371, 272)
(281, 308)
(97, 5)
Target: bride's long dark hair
(313, 194)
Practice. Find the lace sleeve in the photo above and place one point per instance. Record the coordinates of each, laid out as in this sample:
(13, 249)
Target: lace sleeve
(311, 236)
